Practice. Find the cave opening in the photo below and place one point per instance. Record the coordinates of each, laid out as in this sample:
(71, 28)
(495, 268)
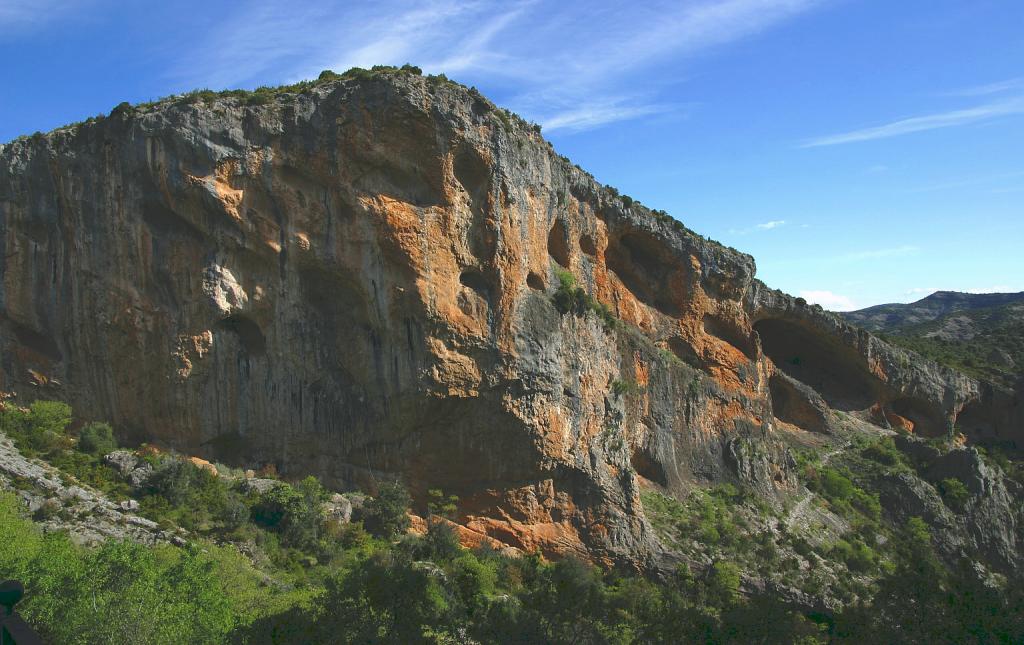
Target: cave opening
(639, 262)
(250, 336)
(728, 334)
(43, 344)
(476, 281)
(648, 467)
(534, 281)
(838, 373)
(558, 244)
(927, 419)
(791, 405)
(975, 421)
(684, 351)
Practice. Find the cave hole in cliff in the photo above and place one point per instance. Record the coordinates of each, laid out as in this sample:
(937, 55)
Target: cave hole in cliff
(250, 336)
(475, 300)
(684, 351)
(534, 281)
(588, 245)
(334, 293)
(477, 282)
(729, 334)
(794, 406)
(640, 263)
(975, 421)
(927, 419)
(472, 172)
(165, 222)
(838, 373)
(648, 467)
(558, 244)
(43, 344)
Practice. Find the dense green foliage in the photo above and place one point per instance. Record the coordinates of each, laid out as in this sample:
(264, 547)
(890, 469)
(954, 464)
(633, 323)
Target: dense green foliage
(571, 299)
(312, 579)
(124, 592)
(385, 513)
(97, 439)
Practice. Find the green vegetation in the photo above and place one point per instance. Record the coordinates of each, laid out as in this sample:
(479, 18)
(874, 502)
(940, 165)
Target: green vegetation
(385, 513)
(921, 601)
(97, 439)
(711, 517)
(626, 387)
(308, 578)
(843, 495)
(129, 593)
(39, 429)
(883, 450)
(954, 492)
(1009, 458)
(571, 299)
(998, 332)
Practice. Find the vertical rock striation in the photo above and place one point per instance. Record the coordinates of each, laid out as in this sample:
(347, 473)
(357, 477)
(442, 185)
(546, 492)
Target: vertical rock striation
(359, 281)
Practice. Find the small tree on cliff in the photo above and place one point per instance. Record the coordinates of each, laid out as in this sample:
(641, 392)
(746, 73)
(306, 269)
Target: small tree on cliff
(387, 513)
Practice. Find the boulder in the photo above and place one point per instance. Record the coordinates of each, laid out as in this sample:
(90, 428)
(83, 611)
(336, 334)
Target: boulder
(339, 508)
(259, 485)
(138, 477)
(123, 461)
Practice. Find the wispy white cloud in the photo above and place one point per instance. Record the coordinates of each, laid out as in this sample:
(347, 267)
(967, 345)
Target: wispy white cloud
(922, 123)
(877, 254)
(829, 300)
(26, 15)
(764, 226)
(990, 88)
(561, 66)
(587, 116)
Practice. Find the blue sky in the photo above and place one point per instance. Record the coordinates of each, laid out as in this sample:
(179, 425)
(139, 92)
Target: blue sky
(864, 151)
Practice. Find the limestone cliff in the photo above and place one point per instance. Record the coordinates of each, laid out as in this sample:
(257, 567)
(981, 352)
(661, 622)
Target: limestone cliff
(358, 281)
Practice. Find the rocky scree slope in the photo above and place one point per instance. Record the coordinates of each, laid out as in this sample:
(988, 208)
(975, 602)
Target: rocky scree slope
(388, 277)
(59, 504)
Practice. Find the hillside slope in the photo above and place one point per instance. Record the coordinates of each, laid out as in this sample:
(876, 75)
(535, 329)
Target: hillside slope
(978, 334)
(384, 276)
(895, 317)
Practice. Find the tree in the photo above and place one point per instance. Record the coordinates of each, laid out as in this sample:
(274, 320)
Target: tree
(386, 515)
(97, 439)
(293, 512)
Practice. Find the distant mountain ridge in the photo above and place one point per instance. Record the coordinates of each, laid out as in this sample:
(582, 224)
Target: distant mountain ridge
(890, 317)
(980, 334)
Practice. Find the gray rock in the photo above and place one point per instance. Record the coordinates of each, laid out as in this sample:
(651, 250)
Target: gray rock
(140, 476)
(339, 508)
(83, 513)
(258, 485)
(123, 461)
(135, 520)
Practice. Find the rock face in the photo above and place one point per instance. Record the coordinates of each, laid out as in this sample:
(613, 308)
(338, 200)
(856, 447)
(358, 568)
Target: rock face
(359, 282)
(85, 514)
